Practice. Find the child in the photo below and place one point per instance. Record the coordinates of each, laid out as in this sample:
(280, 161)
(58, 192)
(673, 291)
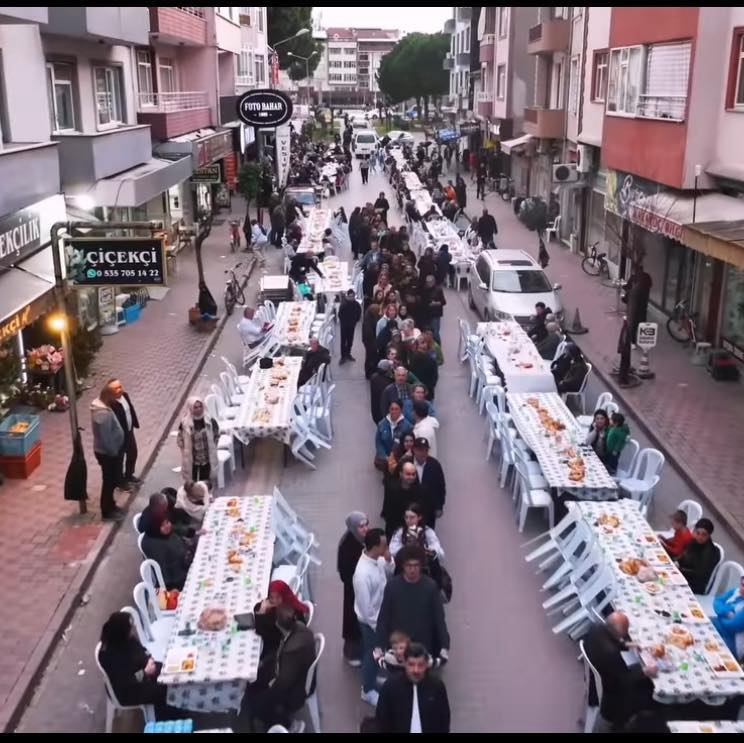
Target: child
(617, 435)
(676, 545)
(393, 661)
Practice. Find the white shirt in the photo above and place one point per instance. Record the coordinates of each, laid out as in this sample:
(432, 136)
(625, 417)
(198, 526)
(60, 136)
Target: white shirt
(415, 716)
(370, 578)
(257, 234)
(251, 331)
(127, 411)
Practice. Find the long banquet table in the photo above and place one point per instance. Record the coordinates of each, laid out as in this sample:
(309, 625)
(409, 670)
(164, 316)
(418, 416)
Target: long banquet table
(335, 280)
(207, 671)
(552, 445)
(522, 366)
(293, 323)
(685, 675)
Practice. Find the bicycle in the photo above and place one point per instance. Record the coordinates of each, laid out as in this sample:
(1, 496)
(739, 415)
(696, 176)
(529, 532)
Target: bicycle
(233, 290)
(681, 324)
(595, 264)
(234, 235)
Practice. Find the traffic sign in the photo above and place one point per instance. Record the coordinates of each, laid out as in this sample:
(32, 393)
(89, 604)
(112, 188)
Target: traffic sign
(648, 333)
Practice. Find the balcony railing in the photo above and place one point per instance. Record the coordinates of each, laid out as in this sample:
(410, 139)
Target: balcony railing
(198, 12)
(169, 102)
(668, 107)
(488, 40)
(245, 80)
(535, 33)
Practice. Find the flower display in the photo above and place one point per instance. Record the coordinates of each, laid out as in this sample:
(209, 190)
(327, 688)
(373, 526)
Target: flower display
(45, 358)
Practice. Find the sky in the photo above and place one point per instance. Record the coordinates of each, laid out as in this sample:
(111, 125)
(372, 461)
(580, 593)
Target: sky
(426, 20)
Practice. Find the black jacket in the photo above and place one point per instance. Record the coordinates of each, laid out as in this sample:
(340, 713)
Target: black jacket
(122, 664)
(301, 265)
(118, 409)
(697, 563)
(378, 382)
(293, 660)
(426, 370)
(434, 483)
(349, 313)
(397, 499)
(434, 294)
(487, 228)
(382, 204)
(349, 552)
(174, 556)
(395, 706)
(311, 363)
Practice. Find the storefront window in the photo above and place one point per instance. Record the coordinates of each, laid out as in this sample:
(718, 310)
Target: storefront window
(654, 262)
(732, 327)
(613, 237)
(595, 226)
(679, 274)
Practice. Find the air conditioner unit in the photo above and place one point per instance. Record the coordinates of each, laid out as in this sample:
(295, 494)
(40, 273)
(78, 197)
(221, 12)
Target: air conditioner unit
(565, 173)
(585, 158)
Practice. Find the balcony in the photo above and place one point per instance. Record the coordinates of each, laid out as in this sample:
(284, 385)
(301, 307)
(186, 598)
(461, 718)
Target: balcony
(487, 48)
(179, 26)
(24, 15)
(449, 26)
(449, 62)
(545, 123)
(549, 37)
(111, 25)
(245, 81)
(462, 58)
(172, 114)
(33, 171)
(86, 158)
(464, 14)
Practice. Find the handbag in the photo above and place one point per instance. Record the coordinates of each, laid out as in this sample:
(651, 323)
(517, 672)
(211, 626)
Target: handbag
(266, 362)
(446, 585)
(381, 463)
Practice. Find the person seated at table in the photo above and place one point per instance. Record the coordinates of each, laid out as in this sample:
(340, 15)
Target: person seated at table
(729, 619)
(617, 435)
(171, 551)
(393, 426)
(700, 557)
(252, 331)
(315, 356)
(569, 369)
(276, 701)
(626, 690)
(302, 264)
(537, 331)
(681, 536)
(548, 346)
(418, 393)
(265, 615)
(193, 498)
(164, 502)
(130, 669)
(597, 436)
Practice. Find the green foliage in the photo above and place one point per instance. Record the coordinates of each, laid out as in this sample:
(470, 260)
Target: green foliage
(284, 22)
(249, 180)
(85, 344)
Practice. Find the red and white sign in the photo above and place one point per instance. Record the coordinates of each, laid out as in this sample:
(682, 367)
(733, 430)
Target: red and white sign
(654, 222)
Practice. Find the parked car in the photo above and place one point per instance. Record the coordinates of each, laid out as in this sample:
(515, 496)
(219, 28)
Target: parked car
(507, 284)
(400, 137)
(364, 142)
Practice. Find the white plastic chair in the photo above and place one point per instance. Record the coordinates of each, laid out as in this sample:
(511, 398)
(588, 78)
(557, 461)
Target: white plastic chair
(229, 410)
(152, 576)
(285, 519)
(553, 229)
(592, 714)
(581, 394)
(492, 427)
(714, 574)
(693, 510)
(295, 576)
(311, 700)
(310, 611)
(626, 461)
(604, 398)
(462, 345)
(240, 379)
(462, 273)
(580, 620)
(157, 651)
(233, 392)
(726, 576)
(157, 626)
(224, 456)
(140, 538)
(113, 705)
(554, 538)
(215, 407)
(647, 466)
(531, 498)
(135, 522)
(270, 308)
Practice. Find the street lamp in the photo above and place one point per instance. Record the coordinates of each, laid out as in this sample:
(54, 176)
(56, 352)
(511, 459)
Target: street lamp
(306, 60)
(301, 32)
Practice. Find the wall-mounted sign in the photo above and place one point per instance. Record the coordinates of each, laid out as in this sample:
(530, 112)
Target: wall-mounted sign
(264, 108)
(20, 234)
(116, 261)
(469, 127)
(283, 155)
(207, 174)
(211, 149)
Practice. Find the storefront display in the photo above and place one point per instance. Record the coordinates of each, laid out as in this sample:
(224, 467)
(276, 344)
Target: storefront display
(732, 320)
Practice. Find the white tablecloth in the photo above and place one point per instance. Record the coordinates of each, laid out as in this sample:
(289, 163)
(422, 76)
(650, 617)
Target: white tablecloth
(293, 323)
(336, 278)
(597, 483)
(237, 529)
(258, 418)
(718, 726)
(523, 367)
(316, 223)
(690, 677)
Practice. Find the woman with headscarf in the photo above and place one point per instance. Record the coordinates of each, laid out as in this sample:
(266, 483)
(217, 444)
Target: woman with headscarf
(207, 305)
(193, 498)
(369, 338)
(172, 552)
(349, 550)
(355, 223)
(197, 439)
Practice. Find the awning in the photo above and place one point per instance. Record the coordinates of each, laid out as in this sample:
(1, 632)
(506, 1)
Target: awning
(722, 240)
(206, 146)
(23, 298)
(729, 170)
(138, 185)
(510, 144)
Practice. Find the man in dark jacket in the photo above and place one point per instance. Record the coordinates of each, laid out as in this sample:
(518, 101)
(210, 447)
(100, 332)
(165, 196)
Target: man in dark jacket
(700, 557)
(433, 300)
(487, 228)
(431, 476)
(412, 604)
(625, 689)
(383, 205)
(127, 417)
(349, 314)
(396, 710)
(301, 264)
(277, 703)
(316, 356)
(277, 226)
(399, 390)
(378, 383)
(364, 237)
(399, 493)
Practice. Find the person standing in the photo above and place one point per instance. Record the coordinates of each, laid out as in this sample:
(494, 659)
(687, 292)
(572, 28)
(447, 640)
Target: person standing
(349, 551)
(364, 169)
(349, 314)
(434, 300)
(638, 291)
(355, 223)
(431, 477)
(374, 568)
(487, 228)
(277, 226)
(383, 206)
(198, 434)
(108, 446)
(127, 417)
(413, 701)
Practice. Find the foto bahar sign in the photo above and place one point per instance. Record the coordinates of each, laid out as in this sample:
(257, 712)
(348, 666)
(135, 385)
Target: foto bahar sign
(264, 108)
(116, 261)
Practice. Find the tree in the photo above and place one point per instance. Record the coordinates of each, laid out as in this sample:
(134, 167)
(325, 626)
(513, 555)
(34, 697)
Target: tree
(250, 181)
(203, 229)
(283, 22)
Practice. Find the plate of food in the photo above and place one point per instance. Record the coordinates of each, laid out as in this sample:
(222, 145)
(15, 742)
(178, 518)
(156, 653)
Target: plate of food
(212, 619)
(608, 519)
(660, 558)
(680, 637)
(631, 565)
(723, 664)
(671, 577)
(181, 660)
(692, 613)
(653, 588)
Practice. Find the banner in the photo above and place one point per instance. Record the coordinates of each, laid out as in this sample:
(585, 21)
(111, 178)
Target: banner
(116, 261)
(282, 154)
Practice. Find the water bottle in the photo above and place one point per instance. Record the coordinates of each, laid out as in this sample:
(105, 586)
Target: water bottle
(178, 727)
(188, 726)
(150, 727)
(169, 727)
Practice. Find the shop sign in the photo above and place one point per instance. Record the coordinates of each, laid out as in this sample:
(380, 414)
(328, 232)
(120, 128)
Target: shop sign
(654, 222)
(20, 235)
(107, 306)
(736, 351)
(648, 332)
(116, 261)
(213, 148)
(264, 108)
(283, 152)
(25, 316)
(469, 127)
(207, 174)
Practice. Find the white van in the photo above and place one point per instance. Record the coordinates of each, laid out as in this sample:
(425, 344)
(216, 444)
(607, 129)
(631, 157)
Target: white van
(364, 142)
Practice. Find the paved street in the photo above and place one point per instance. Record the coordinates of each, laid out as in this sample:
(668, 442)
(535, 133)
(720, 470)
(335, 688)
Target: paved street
(505, 662)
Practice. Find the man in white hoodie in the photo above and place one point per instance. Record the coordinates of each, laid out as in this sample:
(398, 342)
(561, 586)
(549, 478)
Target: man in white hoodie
(425, 426)
(108, 446)
(374, 568)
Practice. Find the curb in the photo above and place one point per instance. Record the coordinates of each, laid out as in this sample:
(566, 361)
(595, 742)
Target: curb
(23, 691)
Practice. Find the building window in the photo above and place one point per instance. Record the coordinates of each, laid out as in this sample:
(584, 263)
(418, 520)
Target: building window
(558, 85)
(228, 13)
(109, 101)
(576, 12)
(61, 98)
(502, 21)
(260, 73)
(625, 80)
(144, 78)
(245, 66)
(501, 81)
(573, 87)
(599, 76)
(167, 75)
(350, 50)
(738, 101)
(260, 17)
(665, 90)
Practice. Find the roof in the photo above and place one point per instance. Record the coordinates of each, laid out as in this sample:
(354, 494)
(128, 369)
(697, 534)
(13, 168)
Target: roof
(368, 34)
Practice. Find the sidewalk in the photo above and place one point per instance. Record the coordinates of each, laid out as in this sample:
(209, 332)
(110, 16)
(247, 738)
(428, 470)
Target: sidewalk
(697, 422)
(47, 550)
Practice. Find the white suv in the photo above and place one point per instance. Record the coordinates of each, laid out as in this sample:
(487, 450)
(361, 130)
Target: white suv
(507, 284)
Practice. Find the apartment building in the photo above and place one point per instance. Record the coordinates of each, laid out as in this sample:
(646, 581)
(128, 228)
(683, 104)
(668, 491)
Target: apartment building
(457, 61)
